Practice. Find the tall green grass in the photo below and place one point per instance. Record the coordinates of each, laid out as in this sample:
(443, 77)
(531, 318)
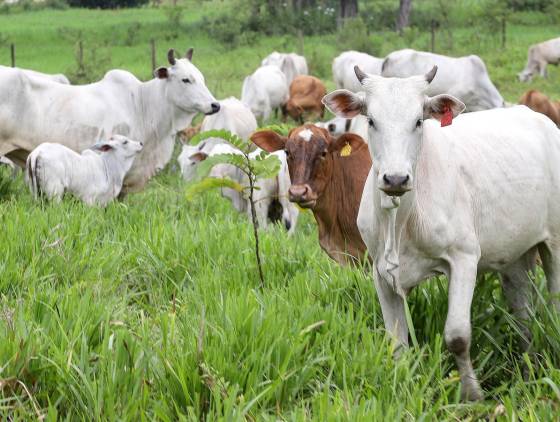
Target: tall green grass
(151, 308)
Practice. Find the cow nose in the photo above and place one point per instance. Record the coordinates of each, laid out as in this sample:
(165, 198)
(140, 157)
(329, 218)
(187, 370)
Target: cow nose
(141, 144)
(395, 185)
(215, 107)
(331, 127)
(288, 224)
(298, 193)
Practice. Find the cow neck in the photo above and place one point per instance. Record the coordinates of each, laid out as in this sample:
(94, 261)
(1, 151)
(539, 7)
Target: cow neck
(336, 211)
(115, 170)
(154, 115)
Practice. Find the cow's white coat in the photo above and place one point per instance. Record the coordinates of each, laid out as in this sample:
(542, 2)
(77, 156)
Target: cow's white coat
(265, 90)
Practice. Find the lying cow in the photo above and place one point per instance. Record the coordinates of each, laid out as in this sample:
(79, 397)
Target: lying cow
(343, 68)
(95, 176)
(270, 195)
(539, 57)
(482, 194)
(306, 93)
(78, 116)
(291, 64)
(540, 103)
(265, 90)
(463, 77)
(327, 176)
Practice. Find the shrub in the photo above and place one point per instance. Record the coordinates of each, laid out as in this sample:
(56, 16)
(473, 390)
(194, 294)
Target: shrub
(106, 4)
(354, 36)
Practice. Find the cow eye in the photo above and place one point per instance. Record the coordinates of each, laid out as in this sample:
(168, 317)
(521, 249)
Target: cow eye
(125, 142)
(370, 122)
(418, 123)
(324, 154)
(186, 80)
(287, 152)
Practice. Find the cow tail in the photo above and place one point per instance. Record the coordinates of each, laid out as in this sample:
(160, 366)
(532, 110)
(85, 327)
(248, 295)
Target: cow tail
(32, 175)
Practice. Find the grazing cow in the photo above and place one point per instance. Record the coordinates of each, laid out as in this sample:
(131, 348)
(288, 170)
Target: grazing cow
(78, 116)
(540, 103)
(270, 196)
(540, 56)
(463, 77)
(59, 77)
(291, 64)
(95, 178)
(343, 68)
(327, 176)
(480, 195)
(265, 90)
(306, 93)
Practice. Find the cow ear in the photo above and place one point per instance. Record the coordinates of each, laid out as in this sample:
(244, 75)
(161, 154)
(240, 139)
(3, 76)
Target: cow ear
(161, 73)
(344, 103)
(103, 147)
(189, 54)
(437, 106)
(346, 143)
(198, 156)
(269, 140)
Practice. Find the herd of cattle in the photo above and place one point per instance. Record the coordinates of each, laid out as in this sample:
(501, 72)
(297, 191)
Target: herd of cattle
(397, 178)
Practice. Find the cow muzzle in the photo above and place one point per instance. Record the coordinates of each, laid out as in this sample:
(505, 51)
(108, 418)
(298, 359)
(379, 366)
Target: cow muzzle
(214, 108)
(302, 195)
(395, 185)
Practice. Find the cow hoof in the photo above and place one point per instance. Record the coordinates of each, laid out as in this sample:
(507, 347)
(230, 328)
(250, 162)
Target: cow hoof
(471, 391)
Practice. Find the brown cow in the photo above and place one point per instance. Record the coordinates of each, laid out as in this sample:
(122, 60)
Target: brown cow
(306, 93)
(328, 181)
(539, 102)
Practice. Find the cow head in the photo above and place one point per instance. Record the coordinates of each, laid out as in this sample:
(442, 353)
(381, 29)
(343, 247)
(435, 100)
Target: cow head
(190, 156)
(119, 145)
(309, 153)
(186, 88)
(395, 109)
(525, 76)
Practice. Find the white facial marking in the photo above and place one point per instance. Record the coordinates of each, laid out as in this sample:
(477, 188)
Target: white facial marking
(306, 135)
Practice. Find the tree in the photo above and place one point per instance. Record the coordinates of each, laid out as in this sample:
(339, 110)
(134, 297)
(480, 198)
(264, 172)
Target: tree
(348, 9)
(263, 166)
(404, 13)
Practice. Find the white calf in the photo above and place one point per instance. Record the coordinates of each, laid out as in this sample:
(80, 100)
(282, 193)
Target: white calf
(95, 176)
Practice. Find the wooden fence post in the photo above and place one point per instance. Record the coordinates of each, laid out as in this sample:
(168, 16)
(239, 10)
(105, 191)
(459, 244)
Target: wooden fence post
(13, 54)
(433, 39)
(504, 23)
(153, 53)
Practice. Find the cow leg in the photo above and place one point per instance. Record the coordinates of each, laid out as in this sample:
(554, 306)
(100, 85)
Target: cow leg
(542, 69)
(516, 284)
(550, 256)
(457, 330)
(392, 308)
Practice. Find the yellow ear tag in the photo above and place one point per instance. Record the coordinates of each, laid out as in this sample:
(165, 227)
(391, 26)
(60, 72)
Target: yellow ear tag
(346, 150)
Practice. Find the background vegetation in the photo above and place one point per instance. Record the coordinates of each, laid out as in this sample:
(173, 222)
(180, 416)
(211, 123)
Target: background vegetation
(152, 310)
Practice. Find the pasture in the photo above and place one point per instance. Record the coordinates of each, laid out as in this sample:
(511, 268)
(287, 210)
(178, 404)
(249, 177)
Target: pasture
(151, 309)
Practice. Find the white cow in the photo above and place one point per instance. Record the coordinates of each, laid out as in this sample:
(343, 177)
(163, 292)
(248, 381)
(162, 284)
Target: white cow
(95, 176)
(463, 77)
(36, 110)
(269, 193)
(291, 64)
(338, 126)
(480, 195)
(538, 57)
(343, 68)
(265, 90)
(58, 77)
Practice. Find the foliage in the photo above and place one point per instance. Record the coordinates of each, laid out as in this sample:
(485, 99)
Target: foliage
(106, 4)
(528, 4)
(174, 13)
(354, 35)
(261, 166)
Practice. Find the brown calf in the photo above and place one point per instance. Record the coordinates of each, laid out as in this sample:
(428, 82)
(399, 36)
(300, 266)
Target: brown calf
(306, 93)
(539, 102)
(328, 176)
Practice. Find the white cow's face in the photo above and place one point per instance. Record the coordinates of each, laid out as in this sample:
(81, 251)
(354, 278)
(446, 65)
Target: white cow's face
(186, 88)
(395, 109)
(120, 145)
(190, 156)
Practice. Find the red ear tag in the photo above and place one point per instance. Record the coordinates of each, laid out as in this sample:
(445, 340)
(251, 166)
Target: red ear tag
(447, 117)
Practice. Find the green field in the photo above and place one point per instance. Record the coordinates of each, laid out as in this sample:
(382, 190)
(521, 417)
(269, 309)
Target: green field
(151, 309)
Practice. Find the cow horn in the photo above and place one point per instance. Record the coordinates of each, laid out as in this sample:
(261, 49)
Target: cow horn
(359, 74)
(431, 74)
(171, 56)
(188, 54)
